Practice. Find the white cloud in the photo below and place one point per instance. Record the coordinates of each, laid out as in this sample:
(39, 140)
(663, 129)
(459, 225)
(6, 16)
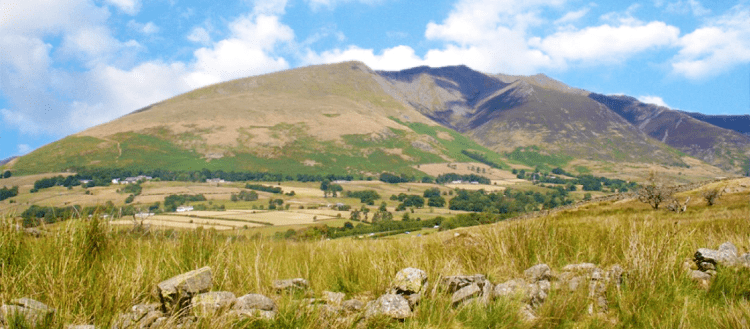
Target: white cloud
(248, 51)
(23, 149)
(130, 7)
(656, 100)
(716, 47)
(199, 35)
(330, 4)
(605, 43)
(687, 6)
(391, 59)
(148, 28)
(572, 16)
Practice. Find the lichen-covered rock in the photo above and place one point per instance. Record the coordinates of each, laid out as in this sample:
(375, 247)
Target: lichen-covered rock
(702, 278)
(707, 259)
(132, 318)
(579, 268)
(291, 285)
(390, 305)
(255, 302)
(175, 293)
(352, 305)
(538, 272)
(465, 294)
(212, 303)
(333, 298)
(510, 288)
(34, 312)
(409, 281)
(453, 283)
(252, 314)
(537, 293)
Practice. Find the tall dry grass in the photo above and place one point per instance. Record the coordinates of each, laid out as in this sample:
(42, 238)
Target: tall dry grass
(90, 272)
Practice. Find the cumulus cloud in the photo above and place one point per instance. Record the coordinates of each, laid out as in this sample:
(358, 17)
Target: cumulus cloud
(720, 45)
(391, 59)
(605, 43)
(199, 35)
(656, 100)
(130, 7)
(147, 28)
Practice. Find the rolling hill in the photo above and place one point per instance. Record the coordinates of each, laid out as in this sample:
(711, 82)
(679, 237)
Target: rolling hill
(347, 118)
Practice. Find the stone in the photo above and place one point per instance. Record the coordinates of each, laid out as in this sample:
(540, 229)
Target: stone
(391, 305)
(34, 312)
(352, 305)
(744, 260)
(149, 319)
(527, 314)
(176, 292)
(409, 281)
(465, 294)
(538, 272)
(212, 303)
(451, 284)
(700, 276)
(333, 298)
(615, 275)
(252, 314)
(725, 256)
(510, 288)
(537, 293)
(160, 322)
(255, 302)
(290, 285)
(413, 299)
(728, 249)
(579, 268)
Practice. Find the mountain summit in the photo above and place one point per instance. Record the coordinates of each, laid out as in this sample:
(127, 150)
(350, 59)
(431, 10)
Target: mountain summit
(348, 118)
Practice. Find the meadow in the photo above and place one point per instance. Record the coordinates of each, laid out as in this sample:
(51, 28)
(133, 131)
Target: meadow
(90, 272)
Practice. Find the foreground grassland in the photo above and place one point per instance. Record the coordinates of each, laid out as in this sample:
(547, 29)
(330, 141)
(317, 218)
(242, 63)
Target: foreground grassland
(91, 272)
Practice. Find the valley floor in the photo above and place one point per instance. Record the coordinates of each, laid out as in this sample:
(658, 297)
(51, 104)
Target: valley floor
(90, 272)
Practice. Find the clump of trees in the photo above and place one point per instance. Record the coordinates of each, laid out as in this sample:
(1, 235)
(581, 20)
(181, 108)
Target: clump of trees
(394, 179)
(244, 196)
(7, 174)
(367, 196)
(6, 192)
(329, 188)
(712, 195)
(656, 191)
(509, 201)
(445, 178)
(171, 202)
(264, 188)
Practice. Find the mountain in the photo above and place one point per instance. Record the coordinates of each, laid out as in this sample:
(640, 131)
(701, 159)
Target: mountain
(319, 119)
(347, 118)
(738, 123)
(725, 148)
(510, 113)
(3, 162)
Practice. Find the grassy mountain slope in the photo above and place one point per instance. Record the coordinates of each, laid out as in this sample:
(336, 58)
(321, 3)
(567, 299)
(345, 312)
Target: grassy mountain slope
(738, 123)
(509, 113)
(727, 149)
(319, 119)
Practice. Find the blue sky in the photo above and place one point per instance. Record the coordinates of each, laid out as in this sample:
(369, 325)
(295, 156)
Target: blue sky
(66, 65)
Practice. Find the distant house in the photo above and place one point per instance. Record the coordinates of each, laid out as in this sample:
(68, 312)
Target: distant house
(134, 180)
(474, 182)
(143, 214)
(184, 208)
(215, 180)
(457, 182)
(116, 181)
(85, 181)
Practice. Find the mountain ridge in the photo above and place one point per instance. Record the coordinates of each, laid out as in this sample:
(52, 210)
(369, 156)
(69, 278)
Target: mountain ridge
(346, 117)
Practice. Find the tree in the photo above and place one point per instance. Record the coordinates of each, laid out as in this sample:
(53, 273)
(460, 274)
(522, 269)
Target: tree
(7, 174)
(655, 192)
(711, 195)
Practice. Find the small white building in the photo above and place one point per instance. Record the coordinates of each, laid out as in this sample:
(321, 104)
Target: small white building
(457, 182)
(116, 181)
(184, 208)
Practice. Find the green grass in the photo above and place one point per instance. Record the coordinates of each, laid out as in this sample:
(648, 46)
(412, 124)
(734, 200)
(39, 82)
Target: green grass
(90, 273)
(532, 156)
